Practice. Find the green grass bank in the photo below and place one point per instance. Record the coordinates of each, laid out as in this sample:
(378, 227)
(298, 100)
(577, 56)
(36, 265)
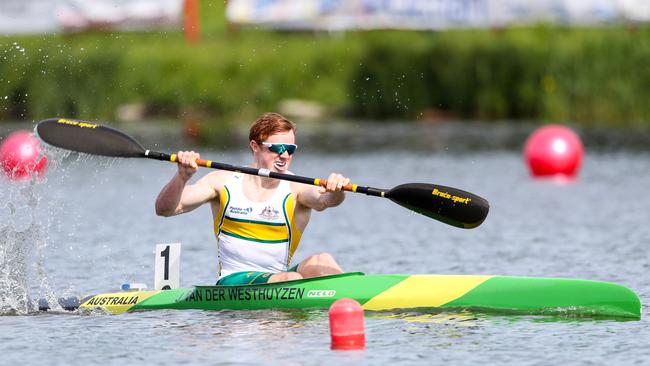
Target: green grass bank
(583, 76)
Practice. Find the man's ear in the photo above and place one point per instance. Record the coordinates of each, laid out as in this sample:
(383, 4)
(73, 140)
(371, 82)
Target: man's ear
(254, 146)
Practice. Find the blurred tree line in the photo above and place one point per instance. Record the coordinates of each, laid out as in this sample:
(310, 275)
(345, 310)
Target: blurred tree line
(589, 76)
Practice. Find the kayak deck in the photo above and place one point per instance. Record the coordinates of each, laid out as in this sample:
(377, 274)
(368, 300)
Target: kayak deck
(502, 294)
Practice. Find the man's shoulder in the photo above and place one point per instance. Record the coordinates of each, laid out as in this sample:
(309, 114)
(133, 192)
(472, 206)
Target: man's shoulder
(217, 178)
(299, 189)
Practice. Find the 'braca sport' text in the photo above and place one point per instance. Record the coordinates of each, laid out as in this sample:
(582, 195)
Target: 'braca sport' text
(449, 196)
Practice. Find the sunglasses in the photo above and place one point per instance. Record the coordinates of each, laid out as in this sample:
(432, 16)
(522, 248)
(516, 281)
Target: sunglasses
(281, 148)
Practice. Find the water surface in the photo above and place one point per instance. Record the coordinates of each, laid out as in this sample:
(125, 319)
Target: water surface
(91, 226)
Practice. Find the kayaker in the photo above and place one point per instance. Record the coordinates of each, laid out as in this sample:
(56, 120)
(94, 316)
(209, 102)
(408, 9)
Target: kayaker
(258, 221)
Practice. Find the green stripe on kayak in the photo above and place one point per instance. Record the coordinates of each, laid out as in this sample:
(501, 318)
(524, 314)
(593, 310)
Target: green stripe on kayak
(307, 293)
(551, 296)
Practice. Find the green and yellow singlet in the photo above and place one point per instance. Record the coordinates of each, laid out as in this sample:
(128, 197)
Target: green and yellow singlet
(255, 236)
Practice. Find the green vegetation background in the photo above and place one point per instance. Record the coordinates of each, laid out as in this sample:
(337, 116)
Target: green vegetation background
(544, 73)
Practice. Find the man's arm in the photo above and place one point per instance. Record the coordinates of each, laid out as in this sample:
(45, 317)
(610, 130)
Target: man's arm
(177, 196)
(320, 198)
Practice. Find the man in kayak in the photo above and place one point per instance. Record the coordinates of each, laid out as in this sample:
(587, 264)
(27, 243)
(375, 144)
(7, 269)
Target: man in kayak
(258, 221)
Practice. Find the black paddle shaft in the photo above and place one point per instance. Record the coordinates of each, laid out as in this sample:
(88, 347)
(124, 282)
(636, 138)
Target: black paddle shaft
(264, 173)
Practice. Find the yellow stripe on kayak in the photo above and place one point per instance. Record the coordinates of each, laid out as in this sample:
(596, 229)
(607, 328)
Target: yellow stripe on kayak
(117, 303)
(424, 291)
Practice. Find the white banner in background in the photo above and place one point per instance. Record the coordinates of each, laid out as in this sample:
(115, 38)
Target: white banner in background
(48, 16)
(27, 16)
(431, 14)
(119, 14)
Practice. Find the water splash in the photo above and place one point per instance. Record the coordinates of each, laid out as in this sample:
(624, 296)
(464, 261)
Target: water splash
(23, 244)
(16, 248)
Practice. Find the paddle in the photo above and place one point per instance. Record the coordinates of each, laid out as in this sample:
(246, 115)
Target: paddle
(446, 204)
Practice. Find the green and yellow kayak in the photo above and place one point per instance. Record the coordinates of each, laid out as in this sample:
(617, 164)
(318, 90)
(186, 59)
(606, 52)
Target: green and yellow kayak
(500, 294)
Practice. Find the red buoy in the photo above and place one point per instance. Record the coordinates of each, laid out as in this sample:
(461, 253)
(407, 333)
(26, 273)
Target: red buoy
(553, 150)
(346, 325)
(20, 156)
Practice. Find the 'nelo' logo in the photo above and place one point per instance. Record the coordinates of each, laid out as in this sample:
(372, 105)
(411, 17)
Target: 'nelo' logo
(77, 123)
(321, 293)
(448, 196)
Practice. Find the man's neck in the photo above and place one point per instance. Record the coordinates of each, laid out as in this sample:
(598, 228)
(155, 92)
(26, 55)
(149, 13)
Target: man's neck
(264, 183)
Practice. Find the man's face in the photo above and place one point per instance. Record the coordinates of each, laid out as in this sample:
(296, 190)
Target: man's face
(272, 160)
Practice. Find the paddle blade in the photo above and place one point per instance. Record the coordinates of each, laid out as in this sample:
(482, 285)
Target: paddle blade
(87, 137)
(449, 205)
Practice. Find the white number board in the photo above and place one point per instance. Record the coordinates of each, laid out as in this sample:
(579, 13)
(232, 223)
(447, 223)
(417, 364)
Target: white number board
(167, 266)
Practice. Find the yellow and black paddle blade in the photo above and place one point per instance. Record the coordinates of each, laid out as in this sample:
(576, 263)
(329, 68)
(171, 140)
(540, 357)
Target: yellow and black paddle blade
(89, 138)
(449, 205)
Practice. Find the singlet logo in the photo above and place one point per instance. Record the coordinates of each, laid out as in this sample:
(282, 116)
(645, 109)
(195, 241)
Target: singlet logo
(269, 213)
(240, 211)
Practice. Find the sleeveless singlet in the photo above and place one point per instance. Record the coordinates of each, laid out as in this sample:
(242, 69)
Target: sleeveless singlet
(255, 236)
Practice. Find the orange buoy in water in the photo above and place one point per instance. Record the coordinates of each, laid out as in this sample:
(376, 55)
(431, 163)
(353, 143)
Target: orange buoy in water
(553, 150)
(346, 325)
(20, 156)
